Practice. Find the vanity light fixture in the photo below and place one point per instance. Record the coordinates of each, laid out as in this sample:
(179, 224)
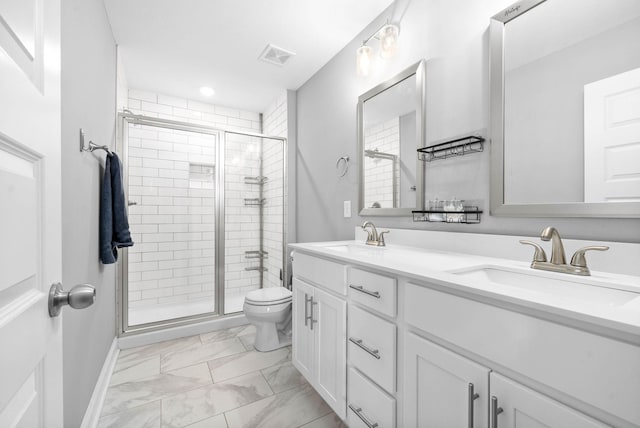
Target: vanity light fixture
(388, 36)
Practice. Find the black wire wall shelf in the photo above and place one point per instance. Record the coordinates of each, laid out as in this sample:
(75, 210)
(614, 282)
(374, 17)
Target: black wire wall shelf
(457, 147)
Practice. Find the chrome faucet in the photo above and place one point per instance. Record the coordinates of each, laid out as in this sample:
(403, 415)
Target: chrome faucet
(578, 265)
(373, 238)
(557, 249)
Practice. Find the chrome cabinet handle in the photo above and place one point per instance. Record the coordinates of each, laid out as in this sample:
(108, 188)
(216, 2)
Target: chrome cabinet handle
(358, 412)
(495, 411)
(361, 289)
(306, 318)
(358, 342)
(312, 304)
(471, 398)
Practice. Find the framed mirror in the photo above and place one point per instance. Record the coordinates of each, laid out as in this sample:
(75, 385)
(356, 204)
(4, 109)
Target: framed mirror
(391, 126)
(565, 109)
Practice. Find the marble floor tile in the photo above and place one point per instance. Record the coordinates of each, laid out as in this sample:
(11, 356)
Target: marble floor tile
(183, 409)
(247, 362)
(198, 353)
(214, 422)
(145, 416)
(283, 377)
(135, 393)
(248, 329)
(144, 352)
(126, 371)
(288, 409)
(248, 340)
(220, 335)
(329, 421)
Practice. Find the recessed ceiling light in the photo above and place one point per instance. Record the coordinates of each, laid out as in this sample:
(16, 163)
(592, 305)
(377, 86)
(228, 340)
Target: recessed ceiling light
(207, 91)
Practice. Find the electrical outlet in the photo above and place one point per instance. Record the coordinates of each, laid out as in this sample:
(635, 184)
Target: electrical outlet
(347, 209)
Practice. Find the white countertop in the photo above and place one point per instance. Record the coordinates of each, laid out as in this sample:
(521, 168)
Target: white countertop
(619, 318)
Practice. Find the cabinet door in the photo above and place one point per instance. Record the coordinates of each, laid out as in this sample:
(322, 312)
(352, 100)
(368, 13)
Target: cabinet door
(524, 408)
(302, 335)
(330, 364)
(440, 387)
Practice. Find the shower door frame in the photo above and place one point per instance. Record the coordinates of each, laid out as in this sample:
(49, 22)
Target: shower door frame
(126, 118)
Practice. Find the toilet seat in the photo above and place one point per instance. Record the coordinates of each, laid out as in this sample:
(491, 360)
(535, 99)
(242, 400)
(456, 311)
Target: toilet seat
(268, 296)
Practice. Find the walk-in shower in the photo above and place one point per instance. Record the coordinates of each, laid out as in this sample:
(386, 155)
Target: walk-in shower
(207, 215)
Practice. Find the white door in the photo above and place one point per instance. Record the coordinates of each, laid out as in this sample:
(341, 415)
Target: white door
(30, 219)
(441, 386)
(302, 342)
(612, 139)
(330, 364)
(524, 408)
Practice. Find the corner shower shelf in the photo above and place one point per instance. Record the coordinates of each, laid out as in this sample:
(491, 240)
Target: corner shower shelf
(470, 215)
(258, 268)
(254, 201)
(258, 254)
(457, 147)
(256, 180)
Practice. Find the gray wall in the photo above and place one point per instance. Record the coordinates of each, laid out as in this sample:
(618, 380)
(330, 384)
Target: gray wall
(88, 101)
(452, 35)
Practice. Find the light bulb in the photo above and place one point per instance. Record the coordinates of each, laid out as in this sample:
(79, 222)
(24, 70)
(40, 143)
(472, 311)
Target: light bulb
(364, 55)
(207, 91)
(388, 36)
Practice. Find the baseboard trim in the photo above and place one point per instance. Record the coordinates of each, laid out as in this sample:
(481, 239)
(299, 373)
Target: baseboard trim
(92, 415)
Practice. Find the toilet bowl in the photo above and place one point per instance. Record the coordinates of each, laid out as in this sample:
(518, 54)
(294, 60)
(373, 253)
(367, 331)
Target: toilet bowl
(269, 310)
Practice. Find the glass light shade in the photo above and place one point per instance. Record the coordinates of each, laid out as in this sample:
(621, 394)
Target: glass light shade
(388, 36)
(364, 56)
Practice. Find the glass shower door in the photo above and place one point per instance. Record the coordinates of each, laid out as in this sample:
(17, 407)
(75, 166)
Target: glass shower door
(171, 269)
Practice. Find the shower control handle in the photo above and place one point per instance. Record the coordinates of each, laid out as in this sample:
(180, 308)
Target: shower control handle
(79, 297)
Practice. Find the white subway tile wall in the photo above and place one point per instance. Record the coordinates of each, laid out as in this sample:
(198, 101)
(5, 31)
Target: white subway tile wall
(275, 124)
(383, 138)
(172, 179)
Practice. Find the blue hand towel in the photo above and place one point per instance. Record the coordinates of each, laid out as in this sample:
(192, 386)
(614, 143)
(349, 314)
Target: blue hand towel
(114, 226)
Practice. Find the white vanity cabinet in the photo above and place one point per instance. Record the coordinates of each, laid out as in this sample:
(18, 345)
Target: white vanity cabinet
(443, 389)
(390, 349)
(319, 330)
(520, 407)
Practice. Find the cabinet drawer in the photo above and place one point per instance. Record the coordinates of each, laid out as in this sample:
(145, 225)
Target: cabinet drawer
(372, 347)
(375, 291)
(368, 402)
(320, 271)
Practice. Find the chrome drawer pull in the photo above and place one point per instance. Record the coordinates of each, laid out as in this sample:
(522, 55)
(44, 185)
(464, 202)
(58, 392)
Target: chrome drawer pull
(358, 342)
(472, 396)
(495, 411)
(361, 289)
(358, 412)
(306, 312)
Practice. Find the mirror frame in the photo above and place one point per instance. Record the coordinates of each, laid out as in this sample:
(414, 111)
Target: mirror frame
(498, 205)
(419, 70)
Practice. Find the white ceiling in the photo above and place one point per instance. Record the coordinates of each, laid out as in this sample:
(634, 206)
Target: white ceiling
(175, 47)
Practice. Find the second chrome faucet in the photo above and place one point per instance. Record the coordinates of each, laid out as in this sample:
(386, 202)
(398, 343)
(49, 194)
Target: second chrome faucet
(578, 264)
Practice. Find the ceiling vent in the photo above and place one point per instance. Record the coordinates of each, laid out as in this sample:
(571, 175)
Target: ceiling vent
(275, 55)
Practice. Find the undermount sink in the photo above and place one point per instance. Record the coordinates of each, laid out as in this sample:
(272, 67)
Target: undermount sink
(574, 288)
(352, 248)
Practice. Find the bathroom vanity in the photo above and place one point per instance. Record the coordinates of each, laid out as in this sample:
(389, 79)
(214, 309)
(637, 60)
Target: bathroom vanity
(401, 336)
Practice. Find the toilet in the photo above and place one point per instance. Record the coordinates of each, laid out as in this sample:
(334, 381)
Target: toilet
(269, 310)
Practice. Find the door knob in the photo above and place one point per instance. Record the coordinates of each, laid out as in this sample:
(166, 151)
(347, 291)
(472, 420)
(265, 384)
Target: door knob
(79, 297)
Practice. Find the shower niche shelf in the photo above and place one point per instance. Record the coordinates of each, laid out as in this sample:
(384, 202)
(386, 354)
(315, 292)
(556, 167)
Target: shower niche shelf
(256, 268)
(458, 147)
(470, 215)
